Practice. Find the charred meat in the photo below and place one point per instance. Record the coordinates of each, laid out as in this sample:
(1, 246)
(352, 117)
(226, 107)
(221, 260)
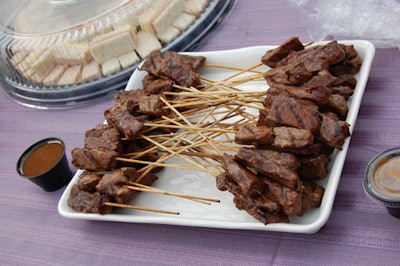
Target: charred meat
(179, 68)
(272, 57)
(94, 159)
(104, 136)
(280, 169)
(247, 181)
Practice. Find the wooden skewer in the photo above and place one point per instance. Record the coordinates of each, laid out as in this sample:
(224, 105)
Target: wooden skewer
(233, 68)
(127, 206)
(141, 187)
(192, 128)
(158, 164)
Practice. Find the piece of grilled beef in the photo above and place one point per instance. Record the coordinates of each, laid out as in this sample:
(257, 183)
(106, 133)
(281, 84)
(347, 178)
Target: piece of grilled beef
(181, 69)
(313, 167)
(316, 58)
(248, 134)
(129, 125)
(105, 136)
(290, 74)
(114, 184)
(289, 199)
(151, 105)
(225, 182)
(273, 56)
(278, 166)
(95, 160)
(350, 64)
(249, 184)
(292, 138)
(88, 181)
(316, 94)
(337, 103)
(279, 138)
(88, 202)
(288, 111)
(155, 85)
(312, 194)
(333, 132)
(260, 214)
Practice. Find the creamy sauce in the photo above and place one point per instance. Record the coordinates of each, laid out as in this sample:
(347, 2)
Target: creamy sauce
(42, 159)
(386, 178)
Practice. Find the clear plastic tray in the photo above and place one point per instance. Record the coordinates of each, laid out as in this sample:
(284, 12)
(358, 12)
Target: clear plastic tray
(65, 25)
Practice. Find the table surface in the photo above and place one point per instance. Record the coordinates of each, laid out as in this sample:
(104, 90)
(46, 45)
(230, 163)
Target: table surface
(359, 231)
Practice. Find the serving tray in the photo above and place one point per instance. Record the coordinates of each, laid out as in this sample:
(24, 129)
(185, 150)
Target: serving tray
(225, 214)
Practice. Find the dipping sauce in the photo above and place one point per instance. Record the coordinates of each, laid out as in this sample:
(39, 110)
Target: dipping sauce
(382, 180)
(42, 159)
(386, 178)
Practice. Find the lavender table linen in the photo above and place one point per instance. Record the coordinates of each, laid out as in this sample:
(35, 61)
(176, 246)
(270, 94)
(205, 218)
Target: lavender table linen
(358, 232)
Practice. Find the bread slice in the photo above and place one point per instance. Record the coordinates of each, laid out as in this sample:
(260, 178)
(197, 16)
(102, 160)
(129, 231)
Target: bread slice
(91, 71)
(183, 21)
(110, 66)
(170, 34)
(54, 75)
(128, 59)
(161, 15)
(195, 7)
(72, 75)
(111, 45)
(146, 42)
(72, 53)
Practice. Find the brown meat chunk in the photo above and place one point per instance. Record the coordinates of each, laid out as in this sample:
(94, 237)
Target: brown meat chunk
(251, 135)
(291, 74)
(314, 168)
(289, 199)
(337, 103)
(322, 78)
(127, 100)
(279, 169)
(151, 105)
(272, 57)
(104, 136)
(115, 185)
(292, 138)
(333, 132)
(288, 111)
(345, 91)
(249, 184)
(129, 125)
(156, 85)
(226, 183)
(317, 58)
(88, 181)
(87, 202)
(260, 214)
(312, 196)
(176, 67)
(94, 160)
(317, 94)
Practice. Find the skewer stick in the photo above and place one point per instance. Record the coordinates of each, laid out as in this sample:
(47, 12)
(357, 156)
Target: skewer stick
(188, 122)
(179, 155)
(191, 128)
(158, 164)
(231, 67)
(141, 187)
(126, 206)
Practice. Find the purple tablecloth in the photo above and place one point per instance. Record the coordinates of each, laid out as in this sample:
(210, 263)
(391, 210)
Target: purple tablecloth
(358, 232)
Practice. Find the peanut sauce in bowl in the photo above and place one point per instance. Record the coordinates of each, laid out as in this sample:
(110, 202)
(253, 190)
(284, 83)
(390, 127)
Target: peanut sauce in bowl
(45, 164)
(382, 180)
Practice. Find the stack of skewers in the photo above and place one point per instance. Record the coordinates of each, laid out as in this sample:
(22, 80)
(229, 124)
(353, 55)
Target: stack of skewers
(269, 157)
